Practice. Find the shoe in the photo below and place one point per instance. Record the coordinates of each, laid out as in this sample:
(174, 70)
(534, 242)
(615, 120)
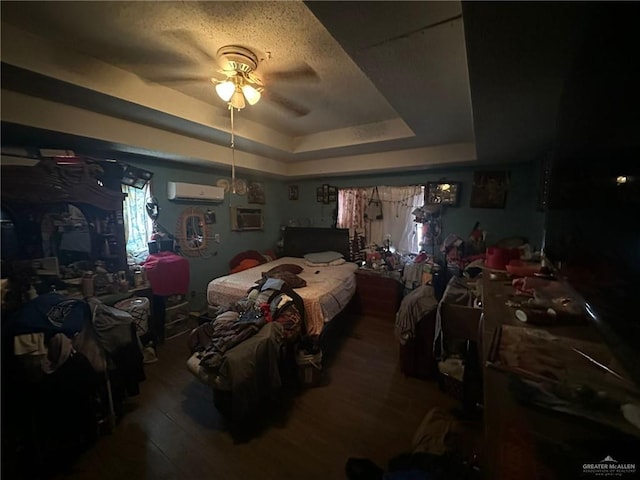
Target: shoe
(149, 355)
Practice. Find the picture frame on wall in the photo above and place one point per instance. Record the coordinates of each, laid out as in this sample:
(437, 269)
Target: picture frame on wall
(326, 194)
(293, 192)
(442, 193)
(210, 217)
(489, 189)
(332, 194)
(255, 193)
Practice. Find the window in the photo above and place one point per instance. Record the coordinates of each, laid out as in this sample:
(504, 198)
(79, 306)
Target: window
(396, 224)
(138, 227)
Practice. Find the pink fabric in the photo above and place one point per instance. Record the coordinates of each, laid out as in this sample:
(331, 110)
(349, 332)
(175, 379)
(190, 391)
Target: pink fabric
(168, 273)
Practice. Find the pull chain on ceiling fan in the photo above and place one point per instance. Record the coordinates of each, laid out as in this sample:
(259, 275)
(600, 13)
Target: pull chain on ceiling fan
(233, 153)
(238, 63)
(240, 85)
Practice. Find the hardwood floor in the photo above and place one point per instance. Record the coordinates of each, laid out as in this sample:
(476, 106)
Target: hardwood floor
(367, 408)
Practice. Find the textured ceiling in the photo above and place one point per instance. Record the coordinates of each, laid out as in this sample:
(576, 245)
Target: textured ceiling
(387, 85)
(380, 76)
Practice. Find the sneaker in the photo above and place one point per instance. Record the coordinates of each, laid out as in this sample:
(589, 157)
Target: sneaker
(149, 355)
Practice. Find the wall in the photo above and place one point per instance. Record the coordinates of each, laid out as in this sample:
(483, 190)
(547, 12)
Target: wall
(215, 260)
(520, 216)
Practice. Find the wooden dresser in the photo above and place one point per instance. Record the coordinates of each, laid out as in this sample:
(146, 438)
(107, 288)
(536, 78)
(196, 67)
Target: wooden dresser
(528, 442)
(378, 292)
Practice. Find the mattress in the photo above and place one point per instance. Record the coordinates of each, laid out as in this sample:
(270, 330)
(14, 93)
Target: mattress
(329, 289)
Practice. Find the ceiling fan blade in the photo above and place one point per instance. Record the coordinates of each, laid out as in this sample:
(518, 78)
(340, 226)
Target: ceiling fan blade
(286, 104)
(187, 37)
(303, 72)
(179, 79)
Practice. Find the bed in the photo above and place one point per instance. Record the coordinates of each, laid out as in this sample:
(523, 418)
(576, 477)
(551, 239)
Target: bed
(329, 288)
(248, 374)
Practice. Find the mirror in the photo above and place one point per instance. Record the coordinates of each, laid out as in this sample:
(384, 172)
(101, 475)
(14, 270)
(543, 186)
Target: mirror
(191, 232)
(64, 233)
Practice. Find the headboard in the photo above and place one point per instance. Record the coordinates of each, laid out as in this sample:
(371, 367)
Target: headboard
(298, 241)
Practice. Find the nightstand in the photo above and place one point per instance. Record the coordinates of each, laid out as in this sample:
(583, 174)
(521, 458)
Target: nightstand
(378, 292)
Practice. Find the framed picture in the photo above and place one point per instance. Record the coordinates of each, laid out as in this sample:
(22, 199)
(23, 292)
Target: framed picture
(326, 193)
(293, 192)
(332, 195)
(490, 189)
(442, 193)
(210, 217)
(255, 193)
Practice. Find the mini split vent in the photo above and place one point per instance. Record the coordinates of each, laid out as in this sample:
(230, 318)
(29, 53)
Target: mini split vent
(194, 192)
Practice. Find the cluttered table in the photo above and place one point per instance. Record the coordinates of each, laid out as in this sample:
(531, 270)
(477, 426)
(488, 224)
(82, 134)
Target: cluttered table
(557, 405)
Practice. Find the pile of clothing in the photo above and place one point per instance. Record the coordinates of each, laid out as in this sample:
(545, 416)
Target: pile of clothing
(69, 364)
(240, 350)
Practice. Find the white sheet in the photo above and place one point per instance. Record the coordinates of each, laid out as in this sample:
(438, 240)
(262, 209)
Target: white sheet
(326, 294)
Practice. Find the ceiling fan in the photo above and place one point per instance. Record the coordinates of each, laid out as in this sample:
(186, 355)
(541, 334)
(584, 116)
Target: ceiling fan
(238, 64)
(243, 85)
(237, 81)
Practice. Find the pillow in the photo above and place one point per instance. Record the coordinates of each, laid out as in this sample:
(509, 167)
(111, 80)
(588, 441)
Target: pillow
(245, 264)
(332, 263)
(286, 267)
(269, 255)
(252, 254)
(291, 279)
(323, 257)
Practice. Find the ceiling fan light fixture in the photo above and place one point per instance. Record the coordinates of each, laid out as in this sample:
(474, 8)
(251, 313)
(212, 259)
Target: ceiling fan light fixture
(225, 90)
(237, 100)
(251, 94)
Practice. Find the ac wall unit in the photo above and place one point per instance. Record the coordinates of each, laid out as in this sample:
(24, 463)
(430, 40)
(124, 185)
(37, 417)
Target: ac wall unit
(194, 192)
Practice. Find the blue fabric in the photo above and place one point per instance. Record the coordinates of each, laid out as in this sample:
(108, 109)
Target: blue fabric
(272, 284)
(51, 313)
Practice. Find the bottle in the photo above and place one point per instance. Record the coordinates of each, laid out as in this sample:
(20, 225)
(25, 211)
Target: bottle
(138, 280)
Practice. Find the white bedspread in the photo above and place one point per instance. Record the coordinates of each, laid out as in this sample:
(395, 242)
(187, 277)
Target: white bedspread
(326, 294)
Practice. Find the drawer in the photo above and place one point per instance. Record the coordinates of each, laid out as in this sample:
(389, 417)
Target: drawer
(378, 295)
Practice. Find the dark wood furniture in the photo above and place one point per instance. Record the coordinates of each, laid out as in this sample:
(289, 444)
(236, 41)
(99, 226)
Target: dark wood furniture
(528, 442)
(37, 199)
(298, 241)
(378, 293)
(416, 355)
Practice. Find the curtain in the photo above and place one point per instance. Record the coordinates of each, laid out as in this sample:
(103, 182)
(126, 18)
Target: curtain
(397, 223)
(351, 205)
(138, 227)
